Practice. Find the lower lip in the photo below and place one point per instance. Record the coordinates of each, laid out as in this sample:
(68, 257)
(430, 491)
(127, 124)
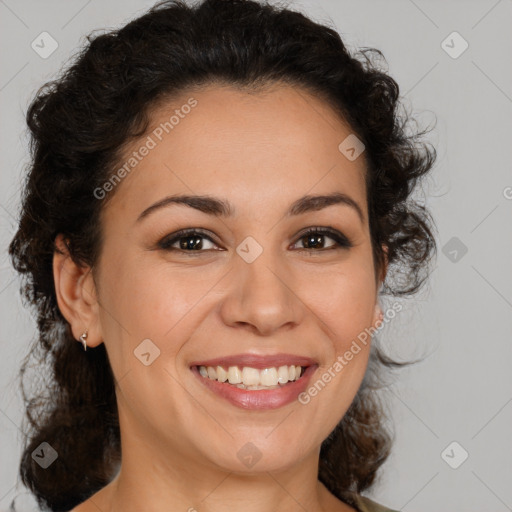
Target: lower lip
(258, 398)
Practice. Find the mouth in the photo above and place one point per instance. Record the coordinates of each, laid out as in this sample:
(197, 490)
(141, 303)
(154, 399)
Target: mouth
(254, 379)
(256, 382)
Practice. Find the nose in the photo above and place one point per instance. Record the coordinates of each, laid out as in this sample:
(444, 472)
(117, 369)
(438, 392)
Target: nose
(262, 297)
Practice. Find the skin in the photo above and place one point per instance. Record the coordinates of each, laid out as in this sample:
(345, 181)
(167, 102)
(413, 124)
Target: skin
(261, 152)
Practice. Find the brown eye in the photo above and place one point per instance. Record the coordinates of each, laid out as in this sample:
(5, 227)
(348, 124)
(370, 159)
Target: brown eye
(190, 240)
(313, 239)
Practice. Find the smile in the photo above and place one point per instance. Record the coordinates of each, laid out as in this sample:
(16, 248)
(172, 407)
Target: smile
(252, 378)
(250, 381)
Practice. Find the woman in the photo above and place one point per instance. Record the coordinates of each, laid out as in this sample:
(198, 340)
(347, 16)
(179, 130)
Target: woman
(218, 197)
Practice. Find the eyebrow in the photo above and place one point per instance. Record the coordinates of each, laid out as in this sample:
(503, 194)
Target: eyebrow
(222, 208)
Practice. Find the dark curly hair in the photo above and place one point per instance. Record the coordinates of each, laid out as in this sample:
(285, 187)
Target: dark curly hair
(80, 123)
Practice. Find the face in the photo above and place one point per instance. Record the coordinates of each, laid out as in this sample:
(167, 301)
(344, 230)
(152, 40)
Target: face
(250, 282)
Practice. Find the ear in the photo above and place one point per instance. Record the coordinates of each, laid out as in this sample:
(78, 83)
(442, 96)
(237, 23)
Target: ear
(76, 294)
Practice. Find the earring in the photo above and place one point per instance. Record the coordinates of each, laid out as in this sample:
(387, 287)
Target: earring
(83, 339)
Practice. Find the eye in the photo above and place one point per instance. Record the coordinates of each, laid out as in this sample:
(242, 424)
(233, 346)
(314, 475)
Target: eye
(188, 240)
(192, 241)
(313, 238)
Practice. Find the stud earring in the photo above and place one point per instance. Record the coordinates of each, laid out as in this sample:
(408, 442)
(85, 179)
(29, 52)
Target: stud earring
(83, 339)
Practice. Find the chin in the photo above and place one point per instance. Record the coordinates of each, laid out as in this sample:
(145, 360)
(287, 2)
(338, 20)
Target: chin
(258, 454)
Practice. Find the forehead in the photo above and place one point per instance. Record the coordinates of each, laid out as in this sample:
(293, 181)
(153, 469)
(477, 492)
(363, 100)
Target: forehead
(258, 148)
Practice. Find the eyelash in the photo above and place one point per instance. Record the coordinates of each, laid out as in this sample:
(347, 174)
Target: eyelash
(342, 242)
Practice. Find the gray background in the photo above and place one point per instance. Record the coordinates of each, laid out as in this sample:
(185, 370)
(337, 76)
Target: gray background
(461, 321)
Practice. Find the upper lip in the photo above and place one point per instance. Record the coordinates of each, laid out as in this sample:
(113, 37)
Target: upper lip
(257, 361)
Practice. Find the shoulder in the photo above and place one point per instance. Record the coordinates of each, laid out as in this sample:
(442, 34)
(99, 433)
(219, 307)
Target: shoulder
(367, 505)
(85, 506)
(79, 508)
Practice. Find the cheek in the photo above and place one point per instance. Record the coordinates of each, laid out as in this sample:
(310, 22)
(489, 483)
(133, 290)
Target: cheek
(144, 302)
(161, 302)
(343, 298)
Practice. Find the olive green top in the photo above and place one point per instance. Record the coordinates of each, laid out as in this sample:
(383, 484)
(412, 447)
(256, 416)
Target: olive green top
(365, 504)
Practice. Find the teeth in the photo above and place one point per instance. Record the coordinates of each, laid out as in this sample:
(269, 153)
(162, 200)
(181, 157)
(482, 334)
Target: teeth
(252, 378)
(222, 375)
(268, 377)
(282, 374)
(234, 375)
